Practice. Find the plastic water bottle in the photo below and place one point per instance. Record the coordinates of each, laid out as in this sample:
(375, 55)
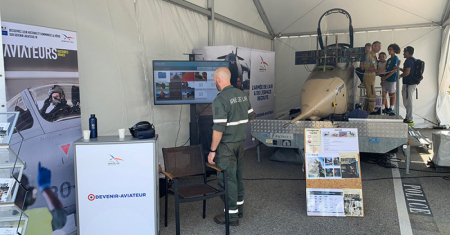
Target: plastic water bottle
(93, 126)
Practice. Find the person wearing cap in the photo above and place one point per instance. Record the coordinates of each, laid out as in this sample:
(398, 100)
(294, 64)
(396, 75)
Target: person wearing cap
(57, 98)
(231, 113)
(408, 89)
(371, 69)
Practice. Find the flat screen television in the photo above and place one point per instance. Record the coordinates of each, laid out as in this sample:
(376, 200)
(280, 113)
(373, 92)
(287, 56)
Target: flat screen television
(185, 82)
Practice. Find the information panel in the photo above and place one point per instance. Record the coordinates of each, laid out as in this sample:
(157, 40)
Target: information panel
(333, 176)
(116, 188)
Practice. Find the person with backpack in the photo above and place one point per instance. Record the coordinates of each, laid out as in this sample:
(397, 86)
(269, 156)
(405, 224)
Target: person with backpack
(409, 83)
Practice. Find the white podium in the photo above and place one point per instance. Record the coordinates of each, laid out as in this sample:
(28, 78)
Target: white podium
(117, 186)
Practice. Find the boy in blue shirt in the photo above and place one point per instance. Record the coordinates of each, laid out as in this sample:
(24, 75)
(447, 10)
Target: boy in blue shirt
(389, 82)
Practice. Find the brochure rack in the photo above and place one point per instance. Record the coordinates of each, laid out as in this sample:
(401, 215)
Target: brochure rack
(12, 218)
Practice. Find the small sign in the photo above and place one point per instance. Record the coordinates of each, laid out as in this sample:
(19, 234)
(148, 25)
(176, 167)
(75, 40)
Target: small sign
(285, 136)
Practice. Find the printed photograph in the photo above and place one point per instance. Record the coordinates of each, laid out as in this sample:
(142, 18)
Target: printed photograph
(353, 205)
(337, 172)
(329, 172)
(336, 161)
(328, 161)
(342, 134)
(349, 168)
(316, 167)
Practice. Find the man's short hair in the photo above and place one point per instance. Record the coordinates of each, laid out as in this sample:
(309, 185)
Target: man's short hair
(368, 44)
(395, 47)
(375, 43)
(382, 53)
(410, 50)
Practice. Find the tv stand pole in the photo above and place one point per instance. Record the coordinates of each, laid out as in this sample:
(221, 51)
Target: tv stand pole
(193, 125)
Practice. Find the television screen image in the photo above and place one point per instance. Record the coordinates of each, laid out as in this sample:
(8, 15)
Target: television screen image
(175, 77)
(162, 75)
(162, 91)
(185, 82)
(188, 93)
(188, 77)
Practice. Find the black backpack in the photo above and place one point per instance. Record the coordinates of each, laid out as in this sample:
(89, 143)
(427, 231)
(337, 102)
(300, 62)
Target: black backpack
(419, 67)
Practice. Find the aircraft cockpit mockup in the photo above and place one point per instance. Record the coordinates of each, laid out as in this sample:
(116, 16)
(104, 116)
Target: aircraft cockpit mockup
(330, 90)
(48, 140)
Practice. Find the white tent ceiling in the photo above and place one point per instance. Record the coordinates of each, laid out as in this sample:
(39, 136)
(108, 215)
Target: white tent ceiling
(365, 14)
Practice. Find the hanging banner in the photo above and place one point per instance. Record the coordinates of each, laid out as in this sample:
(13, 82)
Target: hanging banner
(252, 71)
(41, 76)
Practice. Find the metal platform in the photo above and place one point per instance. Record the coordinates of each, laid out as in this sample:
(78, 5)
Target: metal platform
(419, 140)
(377, 134)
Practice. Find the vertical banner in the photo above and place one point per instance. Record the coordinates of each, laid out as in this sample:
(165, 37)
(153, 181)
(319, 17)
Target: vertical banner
(41, 75)
(240, 62)
(262, 84)
(252, 71)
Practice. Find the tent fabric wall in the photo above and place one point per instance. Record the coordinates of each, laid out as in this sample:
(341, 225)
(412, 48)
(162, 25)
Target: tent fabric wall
(243, 11)
(117, 42)
(443, 100)
(290, 77)
(230, 35)
(301, 16)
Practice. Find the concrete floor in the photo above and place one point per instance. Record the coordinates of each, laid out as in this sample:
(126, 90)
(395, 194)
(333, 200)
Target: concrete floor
(277, 205)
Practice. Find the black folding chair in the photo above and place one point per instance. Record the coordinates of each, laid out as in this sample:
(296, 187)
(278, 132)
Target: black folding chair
(189, 161)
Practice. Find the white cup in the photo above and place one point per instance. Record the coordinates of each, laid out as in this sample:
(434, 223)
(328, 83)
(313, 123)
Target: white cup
(86, 134)
(121, 133)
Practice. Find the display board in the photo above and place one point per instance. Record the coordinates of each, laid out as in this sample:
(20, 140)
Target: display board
(333, 172)
(185, 82)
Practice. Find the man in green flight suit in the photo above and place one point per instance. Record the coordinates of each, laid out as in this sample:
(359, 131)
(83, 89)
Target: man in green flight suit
(231, 113)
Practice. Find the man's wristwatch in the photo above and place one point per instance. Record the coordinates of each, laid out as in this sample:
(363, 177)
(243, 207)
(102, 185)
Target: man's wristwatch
(213, 150)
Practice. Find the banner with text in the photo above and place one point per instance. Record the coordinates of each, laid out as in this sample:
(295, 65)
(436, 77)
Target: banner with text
(41, 76)
(252, 71)
(262, 82)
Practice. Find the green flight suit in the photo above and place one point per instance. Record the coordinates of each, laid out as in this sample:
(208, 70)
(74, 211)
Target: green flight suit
(369, 81)
(231, 113)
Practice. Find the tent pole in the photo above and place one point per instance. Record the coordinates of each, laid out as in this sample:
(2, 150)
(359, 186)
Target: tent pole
(211, 26)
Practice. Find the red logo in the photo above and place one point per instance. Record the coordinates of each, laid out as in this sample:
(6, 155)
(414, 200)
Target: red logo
(91, 197)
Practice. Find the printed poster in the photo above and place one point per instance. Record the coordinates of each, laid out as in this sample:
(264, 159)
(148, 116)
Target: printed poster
(41, 76)
(323, 166)
(313, 141)
(252, 71)
(349, 165)
(325, 202)
(340, 140)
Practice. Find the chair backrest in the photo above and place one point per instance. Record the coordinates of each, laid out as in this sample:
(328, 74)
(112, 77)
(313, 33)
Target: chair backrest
(184, 161)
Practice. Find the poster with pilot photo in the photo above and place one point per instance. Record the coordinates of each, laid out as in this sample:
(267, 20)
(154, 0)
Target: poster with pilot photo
(41, 76)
